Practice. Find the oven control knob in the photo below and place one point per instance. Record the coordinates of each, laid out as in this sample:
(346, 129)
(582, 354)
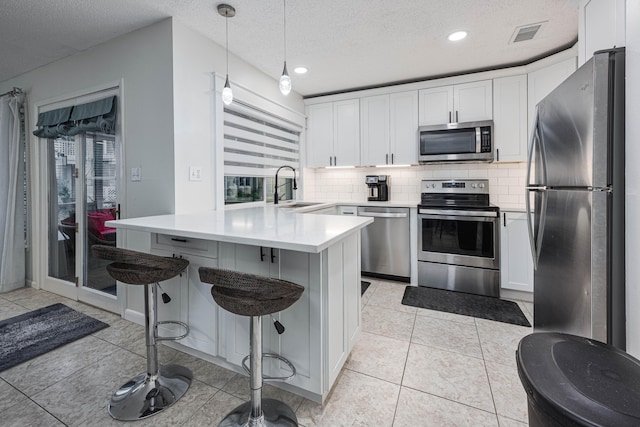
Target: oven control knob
(433, 185)
(481, 185)
(473, 185)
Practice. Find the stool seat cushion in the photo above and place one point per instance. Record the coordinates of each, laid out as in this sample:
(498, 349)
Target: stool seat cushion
(139, 268)
(249, 294)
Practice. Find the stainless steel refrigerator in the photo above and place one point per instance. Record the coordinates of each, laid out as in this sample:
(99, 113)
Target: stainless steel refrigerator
(575, 176)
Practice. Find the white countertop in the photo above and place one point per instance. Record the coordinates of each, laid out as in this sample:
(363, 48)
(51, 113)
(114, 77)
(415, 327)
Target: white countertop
(259, 226)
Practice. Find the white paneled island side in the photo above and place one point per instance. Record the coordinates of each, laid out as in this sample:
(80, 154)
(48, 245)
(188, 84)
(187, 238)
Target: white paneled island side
(319, 252)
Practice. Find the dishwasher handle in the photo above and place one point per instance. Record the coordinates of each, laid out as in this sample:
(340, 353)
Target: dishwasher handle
(383, 214)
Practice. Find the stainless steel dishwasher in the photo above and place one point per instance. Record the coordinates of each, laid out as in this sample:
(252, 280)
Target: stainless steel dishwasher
(386, 251)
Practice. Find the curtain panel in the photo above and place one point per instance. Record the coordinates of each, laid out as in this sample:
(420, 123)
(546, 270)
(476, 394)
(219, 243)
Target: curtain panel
(96, 116)
(12, 253)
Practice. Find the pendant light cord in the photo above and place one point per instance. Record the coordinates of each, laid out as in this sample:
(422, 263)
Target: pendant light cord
(226, 24)
(284, 13)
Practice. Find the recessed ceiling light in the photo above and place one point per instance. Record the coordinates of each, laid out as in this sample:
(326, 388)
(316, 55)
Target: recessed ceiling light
(300, 70)
(458, 35)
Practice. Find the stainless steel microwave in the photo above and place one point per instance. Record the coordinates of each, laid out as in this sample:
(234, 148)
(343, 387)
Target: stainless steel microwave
(456, 142)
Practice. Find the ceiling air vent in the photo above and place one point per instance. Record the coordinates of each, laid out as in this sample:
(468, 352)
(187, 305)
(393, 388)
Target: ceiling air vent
(525, 32)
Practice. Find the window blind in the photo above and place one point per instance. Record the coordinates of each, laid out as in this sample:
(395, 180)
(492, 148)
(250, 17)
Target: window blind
(257, 142)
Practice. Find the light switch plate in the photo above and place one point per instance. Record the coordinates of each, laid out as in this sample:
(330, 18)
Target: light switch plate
(136, 174)
(195, 173)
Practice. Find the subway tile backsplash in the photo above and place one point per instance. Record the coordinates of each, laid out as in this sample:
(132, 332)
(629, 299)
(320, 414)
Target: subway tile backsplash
(506, 182)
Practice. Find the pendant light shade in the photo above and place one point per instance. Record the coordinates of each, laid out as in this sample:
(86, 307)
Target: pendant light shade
(228, 12)
(227, 93)
(285, 80)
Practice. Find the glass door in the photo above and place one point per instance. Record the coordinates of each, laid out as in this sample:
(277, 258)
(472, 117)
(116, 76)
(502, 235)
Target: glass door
(83, 182)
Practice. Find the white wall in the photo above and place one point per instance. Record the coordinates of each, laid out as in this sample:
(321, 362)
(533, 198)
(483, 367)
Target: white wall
(195, 59)
(141, 61)
(506, 182)
(633, 176)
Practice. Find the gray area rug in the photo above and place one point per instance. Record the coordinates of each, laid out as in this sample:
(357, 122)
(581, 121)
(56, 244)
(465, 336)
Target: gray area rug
(465, 304)
(31, 334)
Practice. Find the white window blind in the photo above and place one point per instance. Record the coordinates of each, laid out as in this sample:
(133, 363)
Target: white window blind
(257, 142)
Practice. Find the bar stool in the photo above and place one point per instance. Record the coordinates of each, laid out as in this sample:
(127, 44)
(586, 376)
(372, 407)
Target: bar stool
(255, 296)
(160, 386)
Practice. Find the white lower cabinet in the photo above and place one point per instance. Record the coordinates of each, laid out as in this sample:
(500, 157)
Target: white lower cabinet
(320, 328)
(516, 263)
(191, 300)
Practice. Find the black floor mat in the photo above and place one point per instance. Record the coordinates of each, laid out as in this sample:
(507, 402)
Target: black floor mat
(465, 304)
(363, 287)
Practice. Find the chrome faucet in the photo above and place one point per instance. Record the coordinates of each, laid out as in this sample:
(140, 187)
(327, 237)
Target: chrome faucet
(275, 190)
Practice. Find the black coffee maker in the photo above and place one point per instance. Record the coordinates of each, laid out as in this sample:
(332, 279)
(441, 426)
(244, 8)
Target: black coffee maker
(378, 187)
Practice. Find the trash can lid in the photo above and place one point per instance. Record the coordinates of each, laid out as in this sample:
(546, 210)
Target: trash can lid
(581, 379)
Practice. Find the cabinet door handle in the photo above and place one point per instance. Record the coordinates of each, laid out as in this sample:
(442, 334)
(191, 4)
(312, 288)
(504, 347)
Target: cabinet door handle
(449, 116)
(391, 158)
(497, 154)
(504, 215)
(261, 254)
(335, 161)
(456, 116)
(386, 159)
(273, 256)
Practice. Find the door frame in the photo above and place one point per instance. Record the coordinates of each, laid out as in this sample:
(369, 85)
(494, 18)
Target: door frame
(40, 217)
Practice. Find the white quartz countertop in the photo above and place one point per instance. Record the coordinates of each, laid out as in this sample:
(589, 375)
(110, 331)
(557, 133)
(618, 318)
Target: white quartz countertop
(259, 226)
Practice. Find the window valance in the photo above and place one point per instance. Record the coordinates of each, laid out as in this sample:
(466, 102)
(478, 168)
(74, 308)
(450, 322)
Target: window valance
(96, 116)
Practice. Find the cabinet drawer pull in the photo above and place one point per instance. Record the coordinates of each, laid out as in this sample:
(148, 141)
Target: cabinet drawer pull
(175, 239)
(272, 256)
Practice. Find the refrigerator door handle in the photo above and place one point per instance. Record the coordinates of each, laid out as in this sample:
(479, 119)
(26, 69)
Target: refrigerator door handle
(534, 141)
(536, 241)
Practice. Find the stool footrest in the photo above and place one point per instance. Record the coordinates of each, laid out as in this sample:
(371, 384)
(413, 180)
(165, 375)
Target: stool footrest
(268, 377)
(172, 322)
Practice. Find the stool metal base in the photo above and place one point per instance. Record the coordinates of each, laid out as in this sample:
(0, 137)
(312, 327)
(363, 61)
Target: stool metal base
(146, 395)
(275, 413)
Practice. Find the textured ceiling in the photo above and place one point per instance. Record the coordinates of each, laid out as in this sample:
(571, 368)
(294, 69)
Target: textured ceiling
(345, 44)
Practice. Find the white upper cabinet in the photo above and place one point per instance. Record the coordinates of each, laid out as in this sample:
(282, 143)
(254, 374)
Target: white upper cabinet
(404, 127)
(333, 134)
(510, 118)
(374, 125)
(601, 25)
(436, 106)
(541, 82)
(466, 102)
(319, 142)
(389, 128)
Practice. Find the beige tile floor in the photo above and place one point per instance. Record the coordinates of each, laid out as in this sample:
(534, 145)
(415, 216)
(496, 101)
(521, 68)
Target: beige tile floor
(410, 367)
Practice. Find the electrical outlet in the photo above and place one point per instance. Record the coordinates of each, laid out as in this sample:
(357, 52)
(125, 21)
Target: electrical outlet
(195, 173)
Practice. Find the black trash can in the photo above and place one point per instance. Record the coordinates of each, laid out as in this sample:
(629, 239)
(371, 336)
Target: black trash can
(576, 381)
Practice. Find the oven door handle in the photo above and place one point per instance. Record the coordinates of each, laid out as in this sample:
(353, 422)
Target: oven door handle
(383, 214)
(453, 212)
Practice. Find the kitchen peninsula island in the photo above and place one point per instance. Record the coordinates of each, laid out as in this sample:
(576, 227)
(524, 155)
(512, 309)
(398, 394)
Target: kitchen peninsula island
(319, 252)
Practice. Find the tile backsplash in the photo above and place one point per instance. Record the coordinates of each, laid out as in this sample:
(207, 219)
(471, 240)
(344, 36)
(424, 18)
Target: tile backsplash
(506, 182)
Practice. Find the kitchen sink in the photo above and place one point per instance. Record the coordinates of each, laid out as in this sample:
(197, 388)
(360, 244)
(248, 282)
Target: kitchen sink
(296, 204)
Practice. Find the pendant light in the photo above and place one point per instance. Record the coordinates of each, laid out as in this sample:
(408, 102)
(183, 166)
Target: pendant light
(285, 80)
(228, 12)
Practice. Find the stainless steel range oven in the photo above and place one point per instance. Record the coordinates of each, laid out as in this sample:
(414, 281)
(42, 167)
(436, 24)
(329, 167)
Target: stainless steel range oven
(458, 237)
